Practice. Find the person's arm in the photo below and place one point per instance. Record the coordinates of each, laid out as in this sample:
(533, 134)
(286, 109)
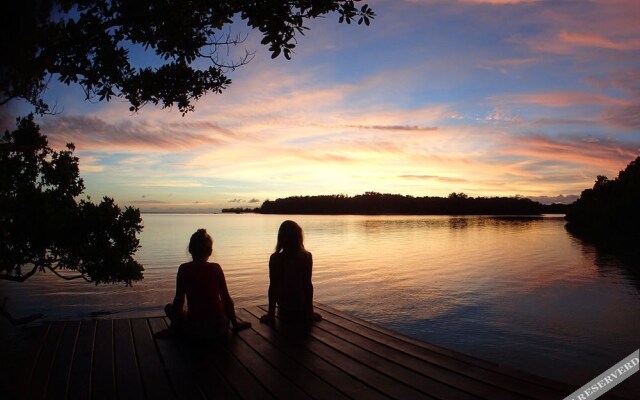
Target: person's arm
(309, 286)
(314, 316)
(227, 303)
(274, 285)
(178, 300)
(274, 289)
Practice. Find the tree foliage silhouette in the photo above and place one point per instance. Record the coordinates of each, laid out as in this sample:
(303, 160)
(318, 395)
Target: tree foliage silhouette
(611, 209)
(186, 45)
(44, 228)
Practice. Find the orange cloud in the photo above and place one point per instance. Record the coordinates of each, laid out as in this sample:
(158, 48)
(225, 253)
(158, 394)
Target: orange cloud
(91, 164)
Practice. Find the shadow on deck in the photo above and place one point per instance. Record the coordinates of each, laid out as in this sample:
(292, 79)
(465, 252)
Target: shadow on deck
(341, 357)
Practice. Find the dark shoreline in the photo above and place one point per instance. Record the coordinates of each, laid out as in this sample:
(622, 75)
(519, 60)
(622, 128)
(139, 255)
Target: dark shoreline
(372, 203)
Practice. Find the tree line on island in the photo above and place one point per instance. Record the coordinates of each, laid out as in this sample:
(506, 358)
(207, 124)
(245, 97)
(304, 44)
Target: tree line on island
(371, 203)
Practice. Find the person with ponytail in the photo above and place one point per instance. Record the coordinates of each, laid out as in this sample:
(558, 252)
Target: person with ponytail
(290, 287)
(210, 309)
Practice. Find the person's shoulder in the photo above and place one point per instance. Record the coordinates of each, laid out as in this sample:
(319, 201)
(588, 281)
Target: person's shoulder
(302, 255)
(214, 266)
(185, 266)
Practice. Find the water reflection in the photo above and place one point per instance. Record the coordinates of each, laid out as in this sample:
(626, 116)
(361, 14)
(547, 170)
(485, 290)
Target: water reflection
(458, 223)
(613, 257)
(385, 224)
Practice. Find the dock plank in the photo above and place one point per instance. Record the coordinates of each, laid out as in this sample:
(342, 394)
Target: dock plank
(276, 383)
(331, 351)
(446, 370)
(402, 338)
(181, 376)
(292, 367)
(44, 363)
(154, 379)
(468, 359)
(57, 388)
(364, 366)
(210, 381)
(25, 368)
(403, 367)
(127, 374)
(103, 371)
(478, 374)
(80, 374)
(326, 371)
(238, 376)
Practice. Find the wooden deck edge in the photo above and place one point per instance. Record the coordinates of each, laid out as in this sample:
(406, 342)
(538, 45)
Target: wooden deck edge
(437, 355)
(509, 371)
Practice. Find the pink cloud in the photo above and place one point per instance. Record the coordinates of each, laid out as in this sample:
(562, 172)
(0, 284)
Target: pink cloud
(402, 128)
(90, 133)
(445, 179)
(617, 112)
(583, 28)
(500, 2)
(492, 2)
(607, 155)
(627, 117)
(596, 40)
(561, 99)
(627, 81)
(506, 65)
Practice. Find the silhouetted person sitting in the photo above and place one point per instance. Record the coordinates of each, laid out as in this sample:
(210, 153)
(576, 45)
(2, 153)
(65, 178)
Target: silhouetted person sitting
(210, 308)
(290, 285)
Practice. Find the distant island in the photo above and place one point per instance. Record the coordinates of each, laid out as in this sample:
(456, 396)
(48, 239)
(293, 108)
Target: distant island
(239, 210)
(373, 203)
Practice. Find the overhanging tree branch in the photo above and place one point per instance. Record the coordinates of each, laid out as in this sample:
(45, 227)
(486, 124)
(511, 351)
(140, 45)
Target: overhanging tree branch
(19, 278)
(16, 321)
(66, 277)
(88, 43)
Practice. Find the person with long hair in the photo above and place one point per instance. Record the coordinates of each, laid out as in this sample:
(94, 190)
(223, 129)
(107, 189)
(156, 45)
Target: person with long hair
(290, 287)
(209, 305)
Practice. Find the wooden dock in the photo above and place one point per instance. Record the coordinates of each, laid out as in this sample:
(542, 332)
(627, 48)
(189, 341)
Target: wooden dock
(341, 357)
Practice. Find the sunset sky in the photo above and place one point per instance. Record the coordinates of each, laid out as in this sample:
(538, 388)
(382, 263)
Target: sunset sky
(486, 97)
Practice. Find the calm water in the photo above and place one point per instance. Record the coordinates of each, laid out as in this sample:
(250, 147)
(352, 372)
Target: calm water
(517, 291)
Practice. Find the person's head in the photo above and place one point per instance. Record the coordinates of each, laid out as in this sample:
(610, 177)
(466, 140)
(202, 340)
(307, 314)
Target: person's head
(290, 237)
(200, 245)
